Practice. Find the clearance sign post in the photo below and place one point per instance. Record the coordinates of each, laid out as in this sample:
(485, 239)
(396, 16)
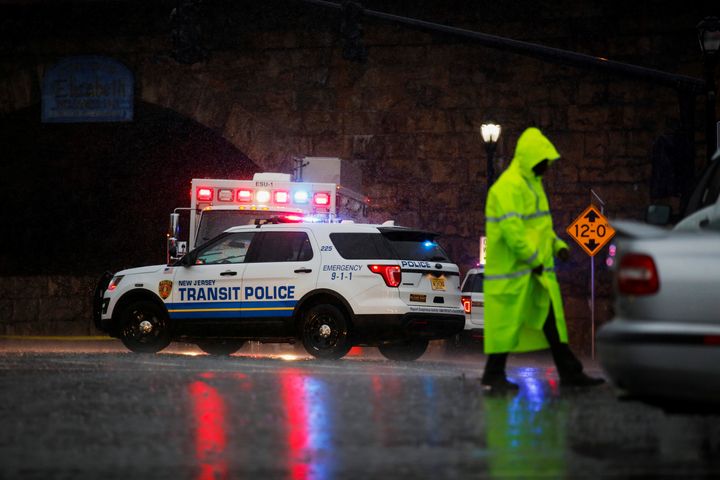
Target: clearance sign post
(591, 230)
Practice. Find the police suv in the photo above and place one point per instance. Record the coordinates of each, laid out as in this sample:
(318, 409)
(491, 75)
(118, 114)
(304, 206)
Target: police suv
(328, 285)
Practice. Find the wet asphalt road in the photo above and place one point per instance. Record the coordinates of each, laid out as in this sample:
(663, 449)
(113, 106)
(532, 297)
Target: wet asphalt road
(92, 410)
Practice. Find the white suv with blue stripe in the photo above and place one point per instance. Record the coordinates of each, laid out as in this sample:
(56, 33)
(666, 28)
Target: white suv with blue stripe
(328, 285)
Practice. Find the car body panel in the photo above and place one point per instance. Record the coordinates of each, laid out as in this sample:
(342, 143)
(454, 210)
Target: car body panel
(667, 344)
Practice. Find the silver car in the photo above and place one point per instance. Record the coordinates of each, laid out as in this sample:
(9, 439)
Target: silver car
(664, 341)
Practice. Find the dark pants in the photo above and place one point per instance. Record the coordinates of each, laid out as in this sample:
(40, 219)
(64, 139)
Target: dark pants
(565, 361)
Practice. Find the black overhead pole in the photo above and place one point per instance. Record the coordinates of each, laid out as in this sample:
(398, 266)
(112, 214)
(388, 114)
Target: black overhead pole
(556, 55)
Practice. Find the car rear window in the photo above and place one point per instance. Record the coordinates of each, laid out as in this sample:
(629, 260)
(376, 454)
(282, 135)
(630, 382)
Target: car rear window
(389, 245)
(415, 245)
(473, 283)
(361, 246)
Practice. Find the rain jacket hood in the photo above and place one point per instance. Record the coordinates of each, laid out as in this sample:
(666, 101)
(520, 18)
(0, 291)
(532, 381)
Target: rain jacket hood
(521, 238)
(532, 148)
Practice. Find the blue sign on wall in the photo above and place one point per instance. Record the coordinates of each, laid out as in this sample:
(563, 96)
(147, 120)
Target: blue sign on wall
(87, 89)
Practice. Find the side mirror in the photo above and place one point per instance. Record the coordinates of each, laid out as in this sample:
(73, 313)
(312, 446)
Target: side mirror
(658, 215)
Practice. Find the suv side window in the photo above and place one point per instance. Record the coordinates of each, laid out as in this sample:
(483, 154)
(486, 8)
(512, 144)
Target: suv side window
(361, 246)
(230, 248)
(283, 247)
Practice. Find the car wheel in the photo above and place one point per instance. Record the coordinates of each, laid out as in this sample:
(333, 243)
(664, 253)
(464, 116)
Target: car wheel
(144, 327)
(220, 347)
(324, 332)
(406, 351)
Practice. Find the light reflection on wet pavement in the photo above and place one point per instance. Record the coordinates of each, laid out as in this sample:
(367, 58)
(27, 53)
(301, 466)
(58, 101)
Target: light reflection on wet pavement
(70, 411)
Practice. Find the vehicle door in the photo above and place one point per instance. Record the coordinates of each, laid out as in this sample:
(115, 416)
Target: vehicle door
(209, 285)
(282, 268)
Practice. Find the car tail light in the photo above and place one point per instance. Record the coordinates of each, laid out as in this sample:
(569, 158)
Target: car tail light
(204, 194)
(244, 196)
(321, 198)
(637, 275)
(467, 303)
(390, 273)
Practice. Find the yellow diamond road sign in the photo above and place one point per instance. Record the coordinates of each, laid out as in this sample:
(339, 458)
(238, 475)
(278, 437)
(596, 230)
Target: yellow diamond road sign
(591, 230)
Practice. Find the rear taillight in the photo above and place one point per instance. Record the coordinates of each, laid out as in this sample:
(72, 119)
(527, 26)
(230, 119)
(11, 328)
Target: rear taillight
(467, 303)
(637, 275)
(390, 273)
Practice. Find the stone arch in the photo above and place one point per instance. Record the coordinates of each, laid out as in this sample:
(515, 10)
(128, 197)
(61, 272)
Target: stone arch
(215, 107)
(192, 96)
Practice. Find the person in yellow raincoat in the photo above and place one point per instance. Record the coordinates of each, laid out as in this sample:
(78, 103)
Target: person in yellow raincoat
(523, 304)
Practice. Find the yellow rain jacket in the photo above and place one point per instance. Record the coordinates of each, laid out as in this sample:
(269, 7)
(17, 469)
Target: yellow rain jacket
(520, 237)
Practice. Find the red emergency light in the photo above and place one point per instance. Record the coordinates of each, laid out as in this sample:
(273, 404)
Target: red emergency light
(321, 199)
(244, 195)
(204, 194)
(281, 196)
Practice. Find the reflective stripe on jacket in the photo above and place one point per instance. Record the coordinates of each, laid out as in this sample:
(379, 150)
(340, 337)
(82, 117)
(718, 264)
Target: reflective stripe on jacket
(520, 237)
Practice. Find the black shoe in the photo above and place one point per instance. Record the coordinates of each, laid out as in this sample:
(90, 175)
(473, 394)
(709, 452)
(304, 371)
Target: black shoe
(581, 380)
(499, 385)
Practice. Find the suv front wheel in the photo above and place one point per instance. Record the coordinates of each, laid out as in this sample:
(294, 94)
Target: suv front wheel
(324, 332)
(144, 327)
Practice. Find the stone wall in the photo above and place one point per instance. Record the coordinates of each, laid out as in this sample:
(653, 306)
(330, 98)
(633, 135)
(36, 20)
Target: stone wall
(275, 85)
(47, 305)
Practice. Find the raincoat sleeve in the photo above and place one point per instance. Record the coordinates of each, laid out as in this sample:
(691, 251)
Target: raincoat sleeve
(505, 212)
(559, 244)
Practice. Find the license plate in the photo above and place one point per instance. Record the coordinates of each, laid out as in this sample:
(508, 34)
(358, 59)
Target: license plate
(437, 283)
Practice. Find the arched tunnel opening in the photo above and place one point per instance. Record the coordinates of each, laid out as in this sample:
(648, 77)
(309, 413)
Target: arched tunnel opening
(81, 198)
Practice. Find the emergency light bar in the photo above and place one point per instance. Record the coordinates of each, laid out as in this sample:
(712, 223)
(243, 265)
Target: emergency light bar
(263, 196)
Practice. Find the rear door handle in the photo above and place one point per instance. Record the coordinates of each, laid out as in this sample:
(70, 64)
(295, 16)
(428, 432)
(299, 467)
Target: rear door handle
(229, 273)
(303, 270)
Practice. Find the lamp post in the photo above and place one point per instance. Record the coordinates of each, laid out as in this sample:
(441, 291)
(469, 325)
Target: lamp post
(490, 133)
(709, 36)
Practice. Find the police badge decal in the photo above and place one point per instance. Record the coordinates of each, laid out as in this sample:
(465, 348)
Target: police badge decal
(164, 288)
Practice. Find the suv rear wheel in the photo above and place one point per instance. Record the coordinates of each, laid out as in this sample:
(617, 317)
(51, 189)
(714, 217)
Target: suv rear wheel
(405, 351)
(324, 332)
(144, 327)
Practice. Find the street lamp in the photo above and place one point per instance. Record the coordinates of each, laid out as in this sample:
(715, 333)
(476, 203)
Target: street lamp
(490, 133)
(709, 37)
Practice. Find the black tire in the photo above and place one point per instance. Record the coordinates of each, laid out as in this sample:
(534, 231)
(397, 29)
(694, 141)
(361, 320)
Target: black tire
(405, 351)
(140, 337)
(220, 347)
(325, 332)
